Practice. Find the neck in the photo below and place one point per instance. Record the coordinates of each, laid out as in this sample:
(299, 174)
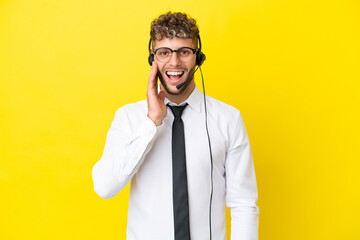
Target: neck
(181, 97)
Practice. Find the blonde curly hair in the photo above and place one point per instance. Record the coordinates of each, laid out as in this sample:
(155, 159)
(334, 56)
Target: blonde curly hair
(174, 24)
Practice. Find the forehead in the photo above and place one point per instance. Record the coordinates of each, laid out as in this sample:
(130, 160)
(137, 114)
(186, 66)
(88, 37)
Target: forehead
(174, 43)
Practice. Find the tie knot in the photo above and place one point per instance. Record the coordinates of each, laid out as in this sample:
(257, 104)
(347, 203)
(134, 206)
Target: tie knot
(177, 110)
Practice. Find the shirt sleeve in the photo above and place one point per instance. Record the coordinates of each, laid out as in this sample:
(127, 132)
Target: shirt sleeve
(125, 149)
(241, 187)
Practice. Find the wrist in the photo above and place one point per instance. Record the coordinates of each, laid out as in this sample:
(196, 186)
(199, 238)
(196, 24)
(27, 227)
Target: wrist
(156, 120)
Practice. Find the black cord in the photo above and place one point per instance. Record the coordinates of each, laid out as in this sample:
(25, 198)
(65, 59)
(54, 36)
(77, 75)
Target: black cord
(211, 158)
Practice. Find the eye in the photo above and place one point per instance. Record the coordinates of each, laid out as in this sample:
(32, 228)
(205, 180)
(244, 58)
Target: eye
(163, 52)
(184, 52)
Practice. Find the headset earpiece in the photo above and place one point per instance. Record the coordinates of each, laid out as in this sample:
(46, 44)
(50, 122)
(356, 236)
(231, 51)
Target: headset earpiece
(151, 59)
(151, 56)
(200, 56)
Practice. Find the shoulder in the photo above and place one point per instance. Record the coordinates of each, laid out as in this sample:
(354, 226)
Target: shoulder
(223, 109)
(225, 121)
(229, 121)
(132, 109)
(130, 115)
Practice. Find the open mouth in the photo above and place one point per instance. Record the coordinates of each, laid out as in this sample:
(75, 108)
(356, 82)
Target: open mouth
(174, 76)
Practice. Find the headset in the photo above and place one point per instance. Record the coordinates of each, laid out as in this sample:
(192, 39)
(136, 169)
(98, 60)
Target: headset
(200, 58)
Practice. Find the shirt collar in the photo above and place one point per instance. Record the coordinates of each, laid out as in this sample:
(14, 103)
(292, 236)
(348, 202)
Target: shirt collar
(194, 100)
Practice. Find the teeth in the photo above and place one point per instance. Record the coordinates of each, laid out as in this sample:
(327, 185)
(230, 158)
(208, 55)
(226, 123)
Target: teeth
(174, 73)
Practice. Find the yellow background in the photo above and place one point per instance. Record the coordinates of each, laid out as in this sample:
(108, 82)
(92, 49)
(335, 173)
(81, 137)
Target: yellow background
(290, 66)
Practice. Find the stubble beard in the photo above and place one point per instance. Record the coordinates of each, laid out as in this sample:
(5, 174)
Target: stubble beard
(182, 89)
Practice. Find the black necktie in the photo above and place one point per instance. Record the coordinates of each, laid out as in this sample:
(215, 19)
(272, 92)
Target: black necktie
(180, 193)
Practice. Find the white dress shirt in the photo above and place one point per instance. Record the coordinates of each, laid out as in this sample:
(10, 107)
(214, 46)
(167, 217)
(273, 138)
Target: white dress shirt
(139, 151)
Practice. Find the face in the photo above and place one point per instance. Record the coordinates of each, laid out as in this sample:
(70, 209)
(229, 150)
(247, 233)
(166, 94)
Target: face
(175, 71)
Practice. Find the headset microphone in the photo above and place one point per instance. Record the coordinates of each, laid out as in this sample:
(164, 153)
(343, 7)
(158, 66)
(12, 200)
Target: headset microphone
(181, 84)
(187, 80)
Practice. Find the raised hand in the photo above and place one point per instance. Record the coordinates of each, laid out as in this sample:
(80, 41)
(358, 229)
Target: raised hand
(156, 106)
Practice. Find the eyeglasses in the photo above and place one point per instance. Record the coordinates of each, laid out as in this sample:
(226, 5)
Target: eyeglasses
(164, 54)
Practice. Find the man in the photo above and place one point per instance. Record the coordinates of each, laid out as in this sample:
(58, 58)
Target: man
(172, 168)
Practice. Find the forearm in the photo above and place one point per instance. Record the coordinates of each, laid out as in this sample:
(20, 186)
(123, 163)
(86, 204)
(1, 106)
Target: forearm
(123, 155)
(241, 186)
(245, 222)
(242, 194)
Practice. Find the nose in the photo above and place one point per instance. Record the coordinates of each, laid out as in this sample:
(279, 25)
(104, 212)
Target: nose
(174, 60)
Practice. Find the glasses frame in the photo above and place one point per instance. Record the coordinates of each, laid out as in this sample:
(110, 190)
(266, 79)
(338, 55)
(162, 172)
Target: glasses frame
(155, 50)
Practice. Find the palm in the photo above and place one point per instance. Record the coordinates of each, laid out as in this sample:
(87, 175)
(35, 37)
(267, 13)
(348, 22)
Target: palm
(156, 106)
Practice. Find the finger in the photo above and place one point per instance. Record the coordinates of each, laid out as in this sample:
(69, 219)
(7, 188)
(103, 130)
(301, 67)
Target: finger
(152, 84)
(153, 72)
